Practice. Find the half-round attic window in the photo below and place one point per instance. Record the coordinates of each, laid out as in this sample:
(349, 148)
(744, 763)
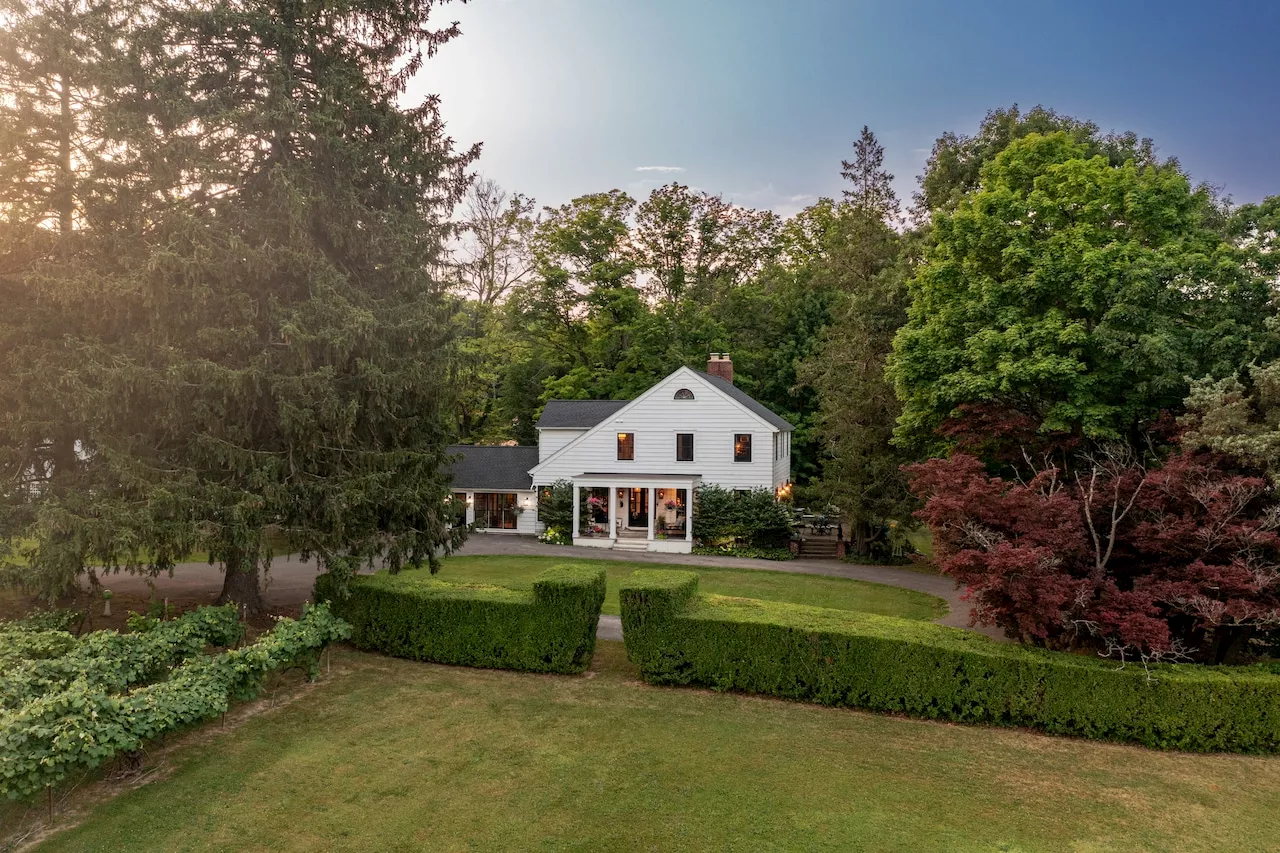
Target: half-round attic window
(684, 394)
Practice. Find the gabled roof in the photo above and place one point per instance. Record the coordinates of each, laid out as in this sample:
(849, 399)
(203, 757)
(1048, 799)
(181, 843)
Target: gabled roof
(498, 469)
(577, 414)
(754, 405)
(734, 393)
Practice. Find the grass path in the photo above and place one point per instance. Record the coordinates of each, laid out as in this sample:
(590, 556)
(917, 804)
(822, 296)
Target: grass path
(389, 755)
(840, 593)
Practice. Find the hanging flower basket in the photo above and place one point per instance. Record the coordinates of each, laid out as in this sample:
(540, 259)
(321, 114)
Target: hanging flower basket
(671, 505)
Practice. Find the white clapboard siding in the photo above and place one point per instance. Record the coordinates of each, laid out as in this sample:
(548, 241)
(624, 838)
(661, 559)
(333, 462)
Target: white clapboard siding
(782, 466)
(655, 418)
(551, 441)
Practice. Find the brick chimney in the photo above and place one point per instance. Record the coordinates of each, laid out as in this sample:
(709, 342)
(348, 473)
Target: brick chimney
(719, 364)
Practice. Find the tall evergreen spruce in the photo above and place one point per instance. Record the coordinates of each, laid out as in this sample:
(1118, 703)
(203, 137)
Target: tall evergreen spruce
(867, 263)
(72, 191)
(288, 350)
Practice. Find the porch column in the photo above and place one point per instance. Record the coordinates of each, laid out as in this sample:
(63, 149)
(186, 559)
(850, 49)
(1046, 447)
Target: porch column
(653, 510)
(688, 516)
(613, 511)
(576, 522)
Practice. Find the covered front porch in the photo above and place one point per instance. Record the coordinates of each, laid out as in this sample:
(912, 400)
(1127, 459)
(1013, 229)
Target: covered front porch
(636, 512)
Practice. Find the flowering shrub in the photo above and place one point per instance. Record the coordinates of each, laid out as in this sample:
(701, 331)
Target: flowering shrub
(555, 536)
(555, 510)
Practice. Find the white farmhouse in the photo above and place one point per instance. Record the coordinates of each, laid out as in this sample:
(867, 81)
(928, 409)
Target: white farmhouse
(634, 464)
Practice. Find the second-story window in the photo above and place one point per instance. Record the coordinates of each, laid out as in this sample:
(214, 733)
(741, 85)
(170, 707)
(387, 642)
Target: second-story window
(627, 445)
(684, 447)
(742, 447)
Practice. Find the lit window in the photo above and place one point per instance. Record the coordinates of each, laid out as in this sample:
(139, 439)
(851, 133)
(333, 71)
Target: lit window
(626, 445)
(684, 394)
(742, 447)
(684, 447)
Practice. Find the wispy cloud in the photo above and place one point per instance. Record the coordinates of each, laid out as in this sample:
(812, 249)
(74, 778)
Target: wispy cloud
(660, 168)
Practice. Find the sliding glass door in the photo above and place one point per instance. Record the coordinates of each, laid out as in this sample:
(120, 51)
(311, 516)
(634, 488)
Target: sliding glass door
(496, 510)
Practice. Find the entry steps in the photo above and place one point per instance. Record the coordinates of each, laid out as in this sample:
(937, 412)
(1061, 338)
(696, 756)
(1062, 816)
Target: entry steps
(818, 549)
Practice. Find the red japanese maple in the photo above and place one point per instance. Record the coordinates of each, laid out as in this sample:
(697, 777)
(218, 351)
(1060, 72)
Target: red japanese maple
(1178, 559)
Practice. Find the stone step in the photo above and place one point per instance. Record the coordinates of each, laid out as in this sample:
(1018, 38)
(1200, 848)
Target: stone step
(820, 549)
(631, 545)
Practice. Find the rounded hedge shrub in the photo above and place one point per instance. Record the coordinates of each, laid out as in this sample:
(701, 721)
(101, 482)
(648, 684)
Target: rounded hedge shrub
(549, 628)
(837, 657)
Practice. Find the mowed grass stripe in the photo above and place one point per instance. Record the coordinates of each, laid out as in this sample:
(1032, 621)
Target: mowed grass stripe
(390, 755)
(816, 590)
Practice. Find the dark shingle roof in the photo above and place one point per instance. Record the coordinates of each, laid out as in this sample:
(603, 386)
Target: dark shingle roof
(577, 414)
(747, 400)
(503, 469)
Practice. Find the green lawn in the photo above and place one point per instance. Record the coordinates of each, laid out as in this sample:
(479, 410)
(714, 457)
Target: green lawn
(389, 755)
(921, 540)
(750, 583)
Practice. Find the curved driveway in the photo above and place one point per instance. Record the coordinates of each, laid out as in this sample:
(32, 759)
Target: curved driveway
(290, 580)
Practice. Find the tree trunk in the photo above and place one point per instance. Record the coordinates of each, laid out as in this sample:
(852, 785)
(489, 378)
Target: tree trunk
(241, 584)
(861, 533)
(66, 176)
(1230, 643)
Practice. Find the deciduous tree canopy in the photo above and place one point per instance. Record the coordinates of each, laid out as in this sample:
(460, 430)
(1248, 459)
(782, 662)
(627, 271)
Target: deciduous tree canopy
(1076, 292)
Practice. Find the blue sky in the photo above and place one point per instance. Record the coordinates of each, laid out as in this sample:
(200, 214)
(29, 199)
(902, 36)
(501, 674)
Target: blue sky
(759, 101)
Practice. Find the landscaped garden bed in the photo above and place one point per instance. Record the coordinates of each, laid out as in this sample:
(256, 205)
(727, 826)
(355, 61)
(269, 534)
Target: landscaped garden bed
(744, 551)
(68, 705)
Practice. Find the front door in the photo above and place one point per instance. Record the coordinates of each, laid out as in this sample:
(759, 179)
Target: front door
(638, 508)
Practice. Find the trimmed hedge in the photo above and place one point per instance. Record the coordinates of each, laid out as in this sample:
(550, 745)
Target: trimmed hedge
(836, 657)
(551, 628)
